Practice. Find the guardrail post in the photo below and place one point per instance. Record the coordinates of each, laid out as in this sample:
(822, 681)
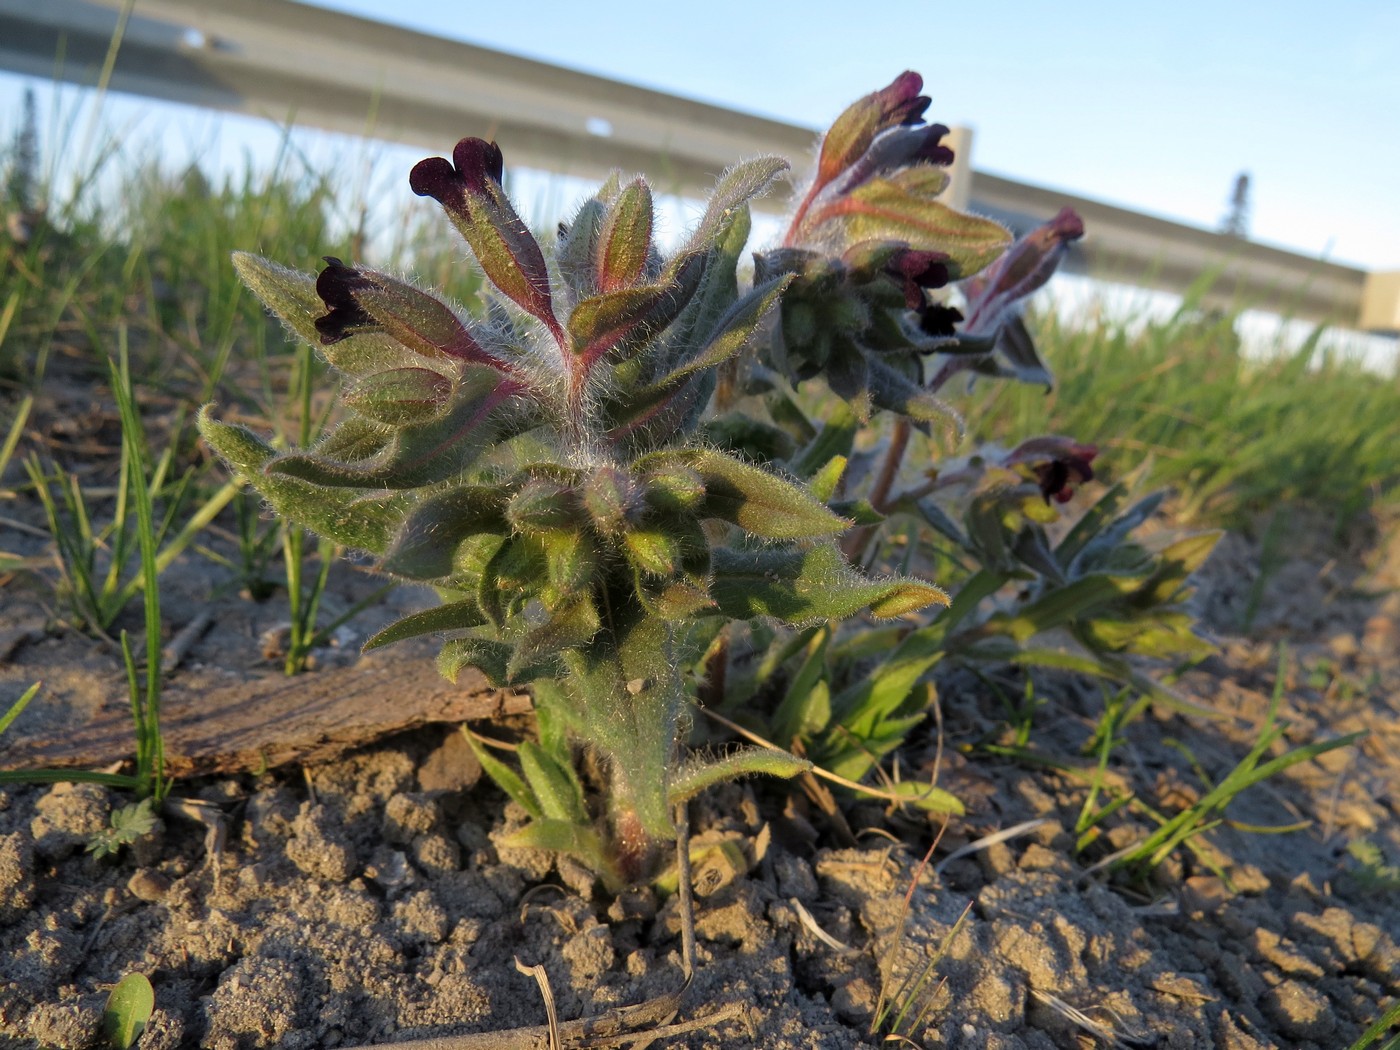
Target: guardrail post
(959, 190)
(1380, 302)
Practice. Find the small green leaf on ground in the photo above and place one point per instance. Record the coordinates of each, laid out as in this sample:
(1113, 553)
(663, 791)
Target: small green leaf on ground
(128, 1010)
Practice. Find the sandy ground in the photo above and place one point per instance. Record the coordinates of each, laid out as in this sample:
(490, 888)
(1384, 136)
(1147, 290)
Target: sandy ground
(367, 899)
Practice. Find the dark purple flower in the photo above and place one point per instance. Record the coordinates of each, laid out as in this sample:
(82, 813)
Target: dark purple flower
(939, 320)
(473, 162)
(1071, 466)
(469, 190)
(336, 285)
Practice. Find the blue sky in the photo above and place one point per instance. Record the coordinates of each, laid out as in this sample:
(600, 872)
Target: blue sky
(1155, 107)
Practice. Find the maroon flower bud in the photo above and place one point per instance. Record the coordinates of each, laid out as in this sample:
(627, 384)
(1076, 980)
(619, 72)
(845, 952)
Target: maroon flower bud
(359, 300)
(852, 133)
(898, 148)
(1020, 272)
(900, 102)
(917, 270)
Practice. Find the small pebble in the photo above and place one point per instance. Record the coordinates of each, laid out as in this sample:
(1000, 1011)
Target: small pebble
(148, 885)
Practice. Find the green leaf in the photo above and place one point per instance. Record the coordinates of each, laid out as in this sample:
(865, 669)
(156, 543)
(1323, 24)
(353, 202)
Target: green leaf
(400, 395)
(927, 797)
(351, 518)
(700, 774)
(516, 571)
(824, 482)
(732, 333)
(1160, 636)
(736, 187)
(674, 489)
(578, 243)
(836, 438)
(652, 551)
(896, 392)
(611, 320)
(544, 503)
(803, 586)
(129, 1008)
(1171, 569)
(491, 658)
(805, 709)
(857, 511)
(575, 840)
(483, 413)
(425, 546)
(1018, 355)
(553, 783)
(568, 627)
(571, 560)
(452, 616)
(1059, 606)
(1097, 535)
(882, 692)
(17, 708)
(624, 243)
(289, 294)
(755, 500)
(676, 602)
(885, 209)
(505, 778)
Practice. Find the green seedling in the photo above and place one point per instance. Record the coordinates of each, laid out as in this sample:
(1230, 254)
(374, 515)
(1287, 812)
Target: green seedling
(125, 826)
(259, 543)
(1097, 593)
(544, 467)
(11, 562)
(903, 1009)
(1209, 810)
(128, 1011)
(95, 564)
(1139, 860)
(145, 703)
(1372, 872)
(149, 778)
(845, 703)
(17, 708)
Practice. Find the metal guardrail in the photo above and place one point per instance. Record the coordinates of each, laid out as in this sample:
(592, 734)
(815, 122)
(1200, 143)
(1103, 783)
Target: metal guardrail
(289, 61)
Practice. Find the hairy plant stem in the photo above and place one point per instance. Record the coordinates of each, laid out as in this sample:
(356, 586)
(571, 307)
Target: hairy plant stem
(858, 540)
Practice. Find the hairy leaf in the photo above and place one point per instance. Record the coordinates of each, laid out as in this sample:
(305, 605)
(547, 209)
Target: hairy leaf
(452, 616)
(425, 546)
(804, 586)
(883, 209)
(624, 242)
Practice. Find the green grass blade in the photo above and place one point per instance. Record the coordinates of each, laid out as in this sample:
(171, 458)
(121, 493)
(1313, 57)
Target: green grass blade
(17, 708)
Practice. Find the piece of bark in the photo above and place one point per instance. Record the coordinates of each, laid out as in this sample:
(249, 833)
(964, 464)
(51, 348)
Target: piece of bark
(271, 721)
